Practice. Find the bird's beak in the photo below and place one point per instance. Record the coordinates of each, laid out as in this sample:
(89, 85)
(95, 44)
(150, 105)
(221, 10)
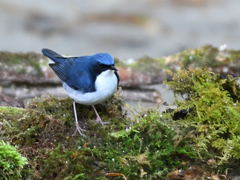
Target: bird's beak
(113, 68)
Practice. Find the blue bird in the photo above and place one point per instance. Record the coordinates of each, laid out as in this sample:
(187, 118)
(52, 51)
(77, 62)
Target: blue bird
(88, 80)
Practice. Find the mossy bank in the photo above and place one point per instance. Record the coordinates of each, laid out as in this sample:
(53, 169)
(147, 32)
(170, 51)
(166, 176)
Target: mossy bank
(45, 133)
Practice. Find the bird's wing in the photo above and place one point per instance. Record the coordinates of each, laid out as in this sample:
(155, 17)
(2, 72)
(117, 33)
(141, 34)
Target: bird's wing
(75, 74)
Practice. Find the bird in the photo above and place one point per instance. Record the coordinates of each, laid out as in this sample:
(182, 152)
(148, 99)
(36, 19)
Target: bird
(88, 80)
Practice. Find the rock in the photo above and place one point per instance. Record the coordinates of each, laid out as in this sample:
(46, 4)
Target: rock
(143, 71)
(10, 101)
(26, 75)
(32, 69)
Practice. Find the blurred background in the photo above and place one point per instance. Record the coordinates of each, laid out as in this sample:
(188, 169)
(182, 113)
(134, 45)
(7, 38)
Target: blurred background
(124, 28)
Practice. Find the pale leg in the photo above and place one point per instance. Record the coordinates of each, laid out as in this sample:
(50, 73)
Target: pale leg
(98, 119)
(78, 128)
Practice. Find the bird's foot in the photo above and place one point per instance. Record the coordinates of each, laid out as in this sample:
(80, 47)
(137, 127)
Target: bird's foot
(99, 120)
(79, 130)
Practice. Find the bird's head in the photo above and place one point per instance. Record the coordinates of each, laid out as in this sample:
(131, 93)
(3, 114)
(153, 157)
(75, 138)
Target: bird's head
(105, 61)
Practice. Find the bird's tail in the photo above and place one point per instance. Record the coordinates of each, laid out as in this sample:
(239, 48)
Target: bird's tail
(53, 55)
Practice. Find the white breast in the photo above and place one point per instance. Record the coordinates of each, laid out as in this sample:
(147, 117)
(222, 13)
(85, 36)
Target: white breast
(105, 84)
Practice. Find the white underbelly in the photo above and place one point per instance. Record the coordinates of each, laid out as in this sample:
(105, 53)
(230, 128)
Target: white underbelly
(105, 85)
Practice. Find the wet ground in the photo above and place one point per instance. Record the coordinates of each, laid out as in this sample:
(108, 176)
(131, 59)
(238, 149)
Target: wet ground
(124, 28)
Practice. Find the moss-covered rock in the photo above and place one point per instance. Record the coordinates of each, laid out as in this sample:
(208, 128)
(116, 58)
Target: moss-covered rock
(143, 147)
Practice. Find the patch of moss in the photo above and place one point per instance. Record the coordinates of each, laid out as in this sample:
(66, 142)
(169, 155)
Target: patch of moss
(14, 111)
(150, 148)
(11, 162)
(205, 56)
(213, 113)
(147, 63)
(147, 150)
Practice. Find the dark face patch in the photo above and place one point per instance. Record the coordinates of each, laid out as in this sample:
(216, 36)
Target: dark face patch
(103, 67)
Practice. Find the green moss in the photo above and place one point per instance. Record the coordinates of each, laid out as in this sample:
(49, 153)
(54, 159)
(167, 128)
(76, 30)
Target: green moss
(212, 113)
(10, 110)
(11, 162)
(148, 150)
(68, 163)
